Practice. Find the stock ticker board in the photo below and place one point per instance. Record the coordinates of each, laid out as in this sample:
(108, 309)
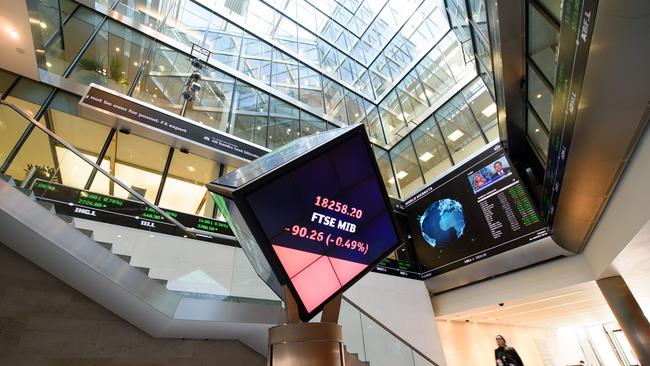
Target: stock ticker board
(113, 210)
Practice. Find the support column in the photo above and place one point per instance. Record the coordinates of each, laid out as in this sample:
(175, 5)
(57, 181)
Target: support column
(313, 344)
(629, 315)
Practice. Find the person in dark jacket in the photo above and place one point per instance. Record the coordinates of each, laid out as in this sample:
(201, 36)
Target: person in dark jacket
(506, 355)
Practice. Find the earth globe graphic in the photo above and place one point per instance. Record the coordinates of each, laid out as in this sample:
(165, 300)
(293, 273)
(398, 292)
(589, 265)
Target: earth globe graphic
(442, 223)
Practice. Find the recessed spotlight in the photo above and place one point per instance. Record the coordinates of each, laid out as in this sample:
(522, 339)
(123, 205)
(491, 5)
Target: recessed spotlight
(537, 130)
(539, 96)
(48, 64)
(489, 110)
(117, 49)
(426, 156)
(455, 135)
(191, 168)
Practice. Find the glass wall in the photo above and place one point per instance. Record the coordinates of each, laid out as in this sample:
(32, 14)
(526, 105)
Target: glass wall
(61, 49)
(459, 128)
(543, 36)
(419, 66)
(184, 189)
(113, 58)
(407, 169)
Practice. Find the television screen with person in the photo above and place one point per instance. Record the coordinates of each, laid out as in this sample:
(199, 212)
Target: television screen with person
(480, 210)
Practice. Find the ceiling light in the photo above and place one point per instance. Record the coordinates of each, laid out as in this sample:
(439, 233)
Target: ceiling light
(135, 64)
(490, 110)
(356, 114)
(537, 130)
(391, 181)
(43, 25)
(328, 69)
(162, 68)
(34, 21)
(48, 64)
(119, 236)
(426, 156)
(539, 96)
(401, 174)
(211, 118)
(117, 49)
(191, 168)
(455, 135)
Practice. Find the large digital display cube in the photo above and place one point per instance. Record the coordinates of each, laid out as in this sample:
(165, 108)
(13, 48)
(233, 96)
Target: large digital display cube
(313, 215)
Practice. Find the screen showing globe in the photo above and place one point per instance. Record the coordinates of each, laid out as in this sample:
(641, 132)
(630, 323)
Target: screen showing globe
(479, 210)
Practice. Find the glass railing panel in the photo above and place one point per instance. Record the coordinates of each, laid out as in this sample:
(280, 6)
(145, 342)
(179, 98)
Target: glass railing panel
(374, 342)
(350, 320)
(419, 360)
(11, 128)
(192, 268)
(382, 348)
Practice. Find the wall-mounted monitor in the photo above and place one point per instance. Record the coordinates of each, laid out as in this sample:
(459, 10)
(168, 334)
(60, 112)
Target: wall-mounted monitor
(477, 211)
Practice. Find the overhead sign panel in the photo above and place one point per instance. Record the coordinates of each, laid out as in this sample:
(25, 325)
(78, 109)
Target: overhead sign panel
(318, 212)
(100, 104)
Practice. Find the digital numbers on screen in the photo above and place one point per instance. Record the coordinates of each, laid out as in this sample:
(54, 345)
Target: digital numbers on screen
(328, 239)
(336, 206)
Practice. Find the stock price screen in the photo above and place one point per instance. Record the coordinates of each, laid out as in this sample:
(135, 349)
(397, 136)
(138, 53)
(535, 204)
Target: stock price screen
(327, 220)
(479, 210)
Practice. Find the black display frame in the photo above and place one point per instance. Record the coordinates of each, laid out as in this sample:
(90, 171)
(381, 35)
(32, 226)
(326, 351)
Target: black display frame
(240, 198)
(458, 172)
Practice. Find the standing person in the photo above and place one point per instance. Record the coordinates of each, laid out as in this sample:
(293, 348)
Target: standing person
(506, 355)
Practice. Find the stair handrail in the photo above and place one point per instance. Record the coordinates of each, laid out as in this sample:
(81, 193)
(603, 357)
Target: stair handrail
(409, 345)
(131, 191)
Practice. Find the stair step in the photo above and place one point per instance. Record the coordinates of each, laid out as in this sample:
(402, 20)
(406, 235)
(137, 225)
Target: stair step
(65, 218)
(28, 192)
(106, 245)
(161, 281)
(88, 233)
(48, 206)
(143, 270)
(126, 258)
(8, 178)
